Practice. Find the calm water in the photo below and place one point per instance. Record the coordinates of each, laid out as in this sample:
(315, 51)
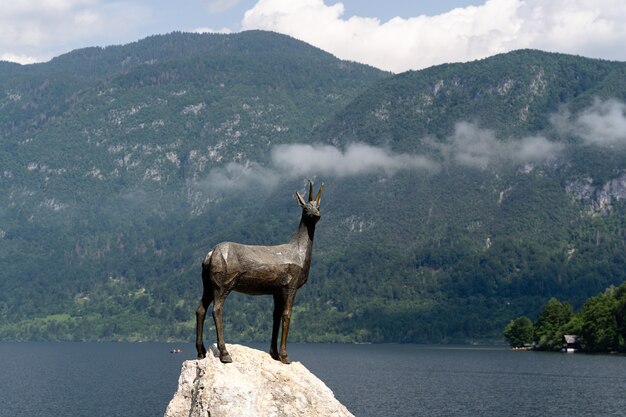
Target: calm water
(138, 380)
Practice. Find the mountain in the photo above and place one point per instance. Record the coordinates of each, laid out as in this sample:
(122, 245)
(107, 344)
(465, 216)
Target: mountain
(462, 196)
(106, 151)
(527, 201)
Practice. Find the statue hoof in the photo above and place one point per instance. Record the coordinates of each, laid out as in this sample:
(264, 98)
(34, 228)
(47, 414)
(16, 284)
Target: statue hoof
(274, 355)
(225, 358)
(285, 359)
(201, 351)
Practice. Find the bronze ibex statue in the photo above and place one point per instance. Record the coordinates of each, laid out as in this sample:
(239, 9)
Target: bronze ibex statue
(256, 270)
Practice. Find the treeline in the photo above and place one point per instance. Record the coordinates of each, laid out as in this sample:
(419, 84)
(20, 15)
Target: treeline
(600, 324)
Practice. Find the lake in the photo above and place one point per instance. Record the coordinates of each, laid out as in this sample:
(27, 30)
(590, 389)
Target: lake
(139, 379)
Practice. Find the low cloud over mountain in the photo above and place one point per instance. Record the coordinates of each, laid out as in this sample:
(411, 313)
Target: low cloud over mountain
(602, 124)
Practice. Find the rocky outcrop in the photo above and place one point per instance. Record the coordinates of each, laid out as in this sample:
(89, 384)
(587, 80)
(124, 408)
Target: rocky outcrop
(253, 385)
(599, 198)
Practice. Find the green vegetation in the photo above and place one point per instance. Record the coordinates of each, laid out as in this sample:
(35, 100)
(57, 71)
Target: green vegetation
(599, 323)
(121, 167)
(551, 322)
(519, 332)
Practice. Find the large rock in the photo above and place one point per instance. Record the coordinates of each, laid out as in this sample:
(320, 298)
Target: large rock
(253, 385)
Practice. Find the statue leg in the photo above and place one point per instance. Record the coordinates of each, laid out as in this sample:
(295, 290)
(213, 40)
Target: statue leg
(200, 315)
(278, 312)
(207, 297)
(219, 296)
(289, 295)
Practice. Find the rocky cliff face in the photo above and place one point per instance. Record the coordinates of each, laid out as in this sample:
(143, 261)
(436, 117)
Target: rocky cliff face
(253, 385)
(599, 198)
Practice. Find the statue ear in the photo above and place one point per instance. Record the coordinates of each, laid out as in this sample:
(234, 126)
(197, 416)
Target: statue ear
(319, 195)
(310, 190)
(300, 200)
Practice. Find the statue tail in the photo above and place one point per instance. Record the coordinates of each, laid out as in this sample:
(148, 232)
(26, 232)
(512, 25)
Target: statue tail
(207, 294)
(207, 260)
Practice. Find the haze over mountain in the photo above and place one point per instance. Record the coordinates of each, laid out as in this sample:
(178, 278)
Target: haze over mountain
(457, 197)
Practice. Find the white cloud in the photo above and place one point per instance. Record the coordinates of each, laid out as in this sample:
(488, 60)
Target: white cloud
(22, 59)
(603, 124)
(534, 149)
(224, 30)
(469, 146)
(236, 177)
(473, 146)
(36, 30)
(594, 28)
(357, 159)
(302, 160)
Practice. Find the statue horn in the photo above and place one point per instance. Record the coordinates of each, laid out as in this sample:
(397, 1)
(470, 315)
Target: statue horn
(319, 195)
(310, 190)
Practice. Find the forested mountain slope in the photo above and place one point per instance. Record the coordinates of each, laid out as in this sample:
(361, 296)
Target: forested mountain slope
(457, 197)
(525, 200)
(106, 153)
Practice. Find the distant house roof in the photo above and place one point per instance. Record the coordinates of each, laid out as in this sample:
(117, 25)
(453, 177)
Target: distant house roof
(571, 339)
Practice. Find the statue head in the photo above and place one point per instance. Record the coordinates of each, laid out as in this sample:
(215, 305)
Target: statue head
(311, 208)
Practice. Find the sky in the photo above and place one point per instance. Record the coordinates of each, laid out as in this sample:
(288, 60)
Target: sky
(394, 35)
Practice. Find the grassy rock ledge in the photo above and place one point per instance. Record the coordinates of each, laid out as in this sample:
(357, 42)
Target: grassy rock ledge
(253, 385)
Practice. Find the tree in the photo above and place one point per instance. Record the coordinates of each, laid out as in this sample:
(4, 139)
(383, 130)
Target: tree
(599, 324)
(519, 332)
(620, 313)
(550, 326)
